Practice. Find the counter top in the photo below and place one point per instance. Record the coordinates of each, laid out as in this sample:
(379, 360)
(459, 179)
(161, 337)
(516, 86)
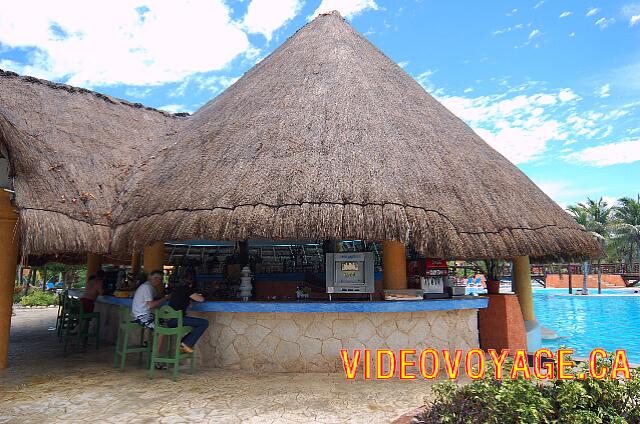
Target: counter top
(302, 306)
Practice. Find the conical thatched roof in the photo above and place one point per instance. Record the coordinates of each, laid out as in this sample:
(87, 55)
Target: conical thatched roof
(325, 138)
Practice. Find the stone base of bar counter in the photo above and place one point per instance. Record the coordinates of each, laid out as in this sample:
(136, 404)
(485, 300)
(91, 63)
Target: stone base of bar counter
(311, 342)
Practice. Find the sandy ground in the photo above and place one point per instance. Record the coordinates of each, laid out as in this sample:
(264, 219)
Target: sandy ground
(42, 386)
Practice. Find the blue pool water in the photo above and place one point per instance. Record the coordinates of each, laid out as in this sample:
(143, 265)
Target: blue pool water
(587, 322)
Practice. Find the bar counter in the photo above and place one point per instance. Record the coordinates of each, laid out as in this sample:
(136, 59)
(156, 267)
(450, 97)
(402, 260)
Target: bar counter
(310, 306)
(307, 336)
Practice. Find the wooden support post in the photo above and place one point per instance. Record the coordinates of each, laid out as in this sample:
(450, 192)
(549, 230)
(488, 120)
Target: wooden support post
(94, 262)
(8, 262)
(585, 277)
(599, 277)
(570, 273)
(153, 259)
(135, 264)
(522, 286)
(394, 265)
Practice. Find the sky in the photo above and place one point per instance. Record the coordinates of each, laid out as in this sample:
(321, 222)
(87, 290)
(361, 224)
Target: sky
(552, 85)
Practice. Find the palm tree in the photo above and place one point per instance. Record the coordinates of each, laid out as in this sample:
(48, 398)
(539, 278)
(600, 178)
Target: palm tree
(594, 216)
(625, 230)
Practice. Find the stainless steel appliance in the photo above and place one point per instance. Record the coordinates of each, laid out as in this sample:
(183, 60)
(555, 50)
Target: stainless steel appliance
(457, 290)
(350, 273)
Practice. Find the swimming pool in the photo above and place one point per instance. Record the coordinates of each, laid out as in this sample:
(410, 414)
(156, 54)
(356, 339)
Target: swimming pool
(587, 322)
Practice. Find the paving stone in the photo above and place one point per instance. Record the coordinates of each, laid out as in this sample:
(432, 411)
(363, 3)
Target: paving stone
(42, 386)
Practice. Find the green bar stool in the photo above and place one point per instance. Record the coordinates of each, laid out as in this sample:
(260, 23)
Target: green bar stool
(63, 299)
(171, 355)
(76, 324)
(125, 329)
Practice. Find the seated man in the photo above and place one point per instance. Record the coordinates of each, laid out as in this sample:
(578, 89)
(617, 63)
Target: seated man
(180, 300)
(92, 290)
(147, 298)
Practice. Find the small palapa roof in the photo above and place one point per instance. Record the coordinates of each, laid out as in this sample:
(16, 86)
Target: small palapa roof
(324, 138)
(70, 151)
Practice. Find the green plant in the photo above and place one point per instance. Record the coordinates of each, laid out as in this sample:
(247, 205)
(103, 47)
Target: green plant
(523, 401)
(491, 268)
(39, 298)
(626, 229)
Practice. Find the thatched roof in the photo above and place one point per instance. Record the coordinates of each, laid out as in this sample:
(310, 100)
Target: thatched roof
(324, 138)
(70, 151)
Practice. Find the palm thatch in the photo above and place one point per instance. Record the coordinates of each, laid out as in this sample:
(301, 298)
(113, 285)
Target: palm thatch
(324, 138)
(70, 150)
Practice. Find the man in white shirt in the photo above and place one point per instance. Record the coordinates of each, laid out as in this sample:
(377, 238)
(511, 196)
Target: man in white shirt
(143, 300)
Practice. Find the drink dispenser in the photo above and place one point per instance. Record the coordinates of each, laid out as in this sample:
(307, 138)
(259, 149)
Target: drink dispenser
(436, 278)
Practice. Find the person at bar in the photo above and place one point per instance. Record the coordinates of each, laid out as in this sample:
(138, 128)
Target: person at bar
(180, 300)
(147, 298)
(93, 289)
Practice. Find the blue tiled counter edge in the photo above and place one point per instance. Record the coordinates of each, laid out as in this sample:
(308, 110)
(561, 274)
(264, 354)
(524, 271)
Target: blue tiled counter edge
(469, 302)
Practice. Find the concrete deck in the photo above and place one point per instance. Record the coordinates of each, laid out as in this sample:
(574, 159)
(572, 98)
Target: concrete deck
(41, 386)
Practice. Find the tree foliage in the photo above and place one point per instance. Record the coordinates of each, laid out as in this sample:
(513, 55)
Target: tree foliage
(616, 226)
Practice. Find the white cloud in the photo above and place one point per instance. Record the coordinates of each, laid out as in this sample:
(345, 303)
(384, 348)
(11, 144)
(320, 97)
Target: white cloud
(545, 99)
(573, 34)
(560, 191)
(519, 127)
(137, 92)
(592, 11)
(603, 23)
(609, 154)
(265, 16)
(566, 192)
(524, 127)
(604, 91)
(539, 4)
(210, 83)
(565, 14)
(136, 42)
(632, 11)
(518, 144)
(567, 95)
(174, 108)
(533, 34)
(347, 8)
(425, 81)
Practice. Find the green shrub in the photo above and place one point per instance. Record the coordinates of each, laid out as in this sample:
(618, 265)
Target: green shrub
(523, 401)
(39, 298)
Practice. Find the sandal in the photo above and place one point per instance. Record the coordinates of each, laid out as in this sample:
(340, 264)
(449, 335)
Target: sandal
(160, 366)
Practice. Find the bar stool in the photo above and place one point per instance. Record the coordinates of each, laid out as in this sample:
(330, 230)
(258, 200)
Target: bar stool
(63, 298)
(76, 323)
(171, 356)
(125, 328)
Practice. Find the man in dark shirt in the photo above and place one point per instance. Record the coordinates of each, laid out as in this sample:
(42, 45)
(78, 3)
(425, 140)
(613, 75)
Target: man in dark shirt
(180, 300)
